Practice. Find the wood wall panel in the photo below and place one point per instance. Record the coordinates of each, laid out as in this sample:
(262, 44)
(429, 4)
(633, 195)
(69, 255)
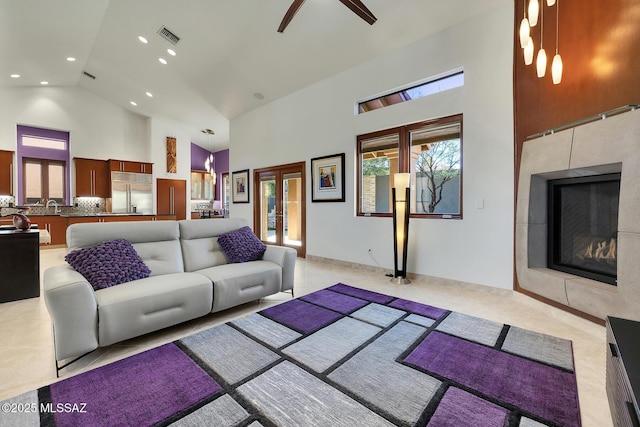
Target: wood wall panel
(599, 42)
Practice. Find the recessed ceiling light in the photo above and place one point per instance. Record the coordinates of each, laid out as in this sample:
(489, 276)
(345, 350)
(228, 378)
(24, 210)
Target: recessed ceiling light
(44, 83)
(171, 52)
(143, 40)
(71, 59)
(149, 94)
(15, 76)
(135, 104)
(258, 95)
(162, 61)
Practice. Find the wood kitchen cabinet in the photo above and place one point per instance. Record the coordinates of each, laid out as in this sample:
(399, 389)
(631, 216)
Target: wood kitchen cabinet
(92, 178)
(6, 173)
(128, 166)
(55, 225)
(171, 197)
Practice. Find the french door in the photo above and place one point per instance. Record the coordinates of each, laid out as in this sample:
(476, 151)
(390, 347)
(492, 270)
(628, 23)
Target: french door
(279, 206)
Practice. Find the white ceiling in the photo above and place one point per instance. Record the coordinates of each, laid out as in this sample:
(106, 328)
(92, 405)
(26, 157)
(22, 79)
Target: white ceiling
(228, 49)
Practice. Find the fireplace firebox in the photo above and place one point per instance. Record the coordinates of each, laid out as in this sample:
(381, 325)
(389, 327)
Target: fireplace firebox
(583, 226)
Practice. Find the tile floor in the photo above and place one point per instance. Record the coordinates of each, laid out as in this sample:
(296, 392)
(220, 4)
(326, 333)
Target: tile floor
(26, 353)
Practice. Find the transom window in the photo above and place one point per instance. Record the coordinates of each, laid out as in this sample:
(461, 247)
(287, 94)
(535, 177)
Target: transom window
(430, 151)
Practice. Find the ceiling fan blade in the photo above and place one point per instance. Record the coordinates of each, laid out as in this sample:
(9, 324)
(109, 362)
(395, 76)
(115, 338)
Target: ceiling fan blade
(360, 9)
(293, 9)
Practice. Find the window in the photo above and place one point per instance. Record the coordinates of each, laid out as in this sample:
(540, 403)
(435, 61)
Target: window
(431, 151)
(43, 158)
(43, 180)
(430, 87)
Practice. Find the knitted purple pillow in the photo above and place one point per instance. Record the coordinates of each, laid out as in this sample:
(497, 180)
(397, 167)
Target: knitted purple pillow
(109, 263)
(241, 245)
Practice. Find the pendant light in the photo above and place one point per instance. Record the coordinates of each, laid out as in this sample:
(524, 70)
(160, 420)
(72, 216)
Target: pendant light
(528, 52)
(556, 65)
(541, 61)
(210, 162)
(551, 2)
(525, 30)
(534, 9)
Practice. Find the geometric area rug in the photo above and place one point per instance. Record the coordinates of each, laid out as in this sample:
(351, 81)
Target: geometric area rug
(341, 356)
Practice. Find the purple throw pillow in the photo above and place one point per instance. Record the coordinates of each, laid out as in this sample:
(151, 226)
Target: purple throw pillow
(241, 245)
(109, 263)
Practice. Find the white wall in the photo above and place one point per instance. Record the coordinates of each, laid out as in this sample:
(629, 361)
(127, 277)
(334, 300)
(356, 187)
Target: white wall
(319, 120)
(98, 129)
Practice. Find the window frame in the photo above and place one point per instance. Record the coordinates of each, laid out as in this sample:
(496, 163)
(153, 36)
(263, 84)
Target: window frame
(44, 180)
(404, 162)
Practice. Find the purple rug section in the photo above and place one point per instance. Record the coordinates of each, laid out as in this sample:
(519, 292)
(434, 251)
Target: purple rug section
(541, 390)
(301, 316)
(417, 308)
(140, 390)
(335, 301)
(361, 293)
(459, 408)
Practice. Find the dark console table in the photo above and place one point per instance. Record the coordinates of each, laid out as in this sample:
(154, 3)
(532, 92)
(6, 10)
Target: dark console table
(19, 264)
(623, 371)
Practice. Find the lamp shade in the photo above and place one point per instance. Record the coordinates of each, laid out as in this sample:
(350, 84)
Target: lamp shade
(528, 52)
(556, 69)
(524, 32)
(534, 10)
(401, 180)
(541, 63)
(551, 2)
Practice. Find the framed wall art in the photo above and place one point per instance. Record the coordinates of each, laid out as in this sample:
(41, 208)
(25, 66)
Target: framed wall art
(240, 186)
(327, 178)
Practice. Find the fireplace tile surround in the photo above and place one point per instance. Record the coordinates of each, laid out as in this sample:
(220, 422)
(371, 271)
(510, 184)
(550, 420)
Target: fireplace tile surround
(604, 146)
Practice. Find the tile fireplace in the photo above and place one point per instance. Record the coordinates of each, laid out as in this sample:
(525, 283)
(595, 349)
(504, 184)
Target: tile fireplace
(601, 233)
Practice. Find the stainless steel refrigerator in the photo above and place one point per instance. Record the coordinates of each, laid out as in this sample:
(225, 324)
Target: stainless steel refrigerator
(131, 193)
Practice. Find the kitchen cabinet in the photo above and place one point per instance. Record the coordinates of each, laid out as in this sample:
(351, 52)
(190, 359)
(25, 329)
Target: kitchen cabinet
(202, 186)
(92, 178)
(6, 173)
(171, 197)
(128, 166)
(19, 265)
(55, 225)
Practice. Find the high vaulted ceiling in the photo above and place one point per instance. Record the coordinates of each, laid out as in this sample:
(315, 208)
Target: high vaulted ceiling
(229, 50)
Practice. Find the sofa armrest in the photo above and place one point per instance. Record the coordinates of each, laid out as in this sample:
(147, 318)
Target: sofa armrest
(285, 258)
(72, 306)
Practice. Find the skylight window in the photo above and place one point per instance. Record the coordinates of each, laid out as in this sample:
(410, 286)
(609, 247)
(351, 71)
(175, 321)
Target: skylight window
(413, 92)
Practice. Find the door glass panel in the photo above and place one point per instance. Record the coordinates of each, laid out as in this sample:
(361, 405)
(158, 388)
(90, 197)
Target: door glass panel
(292, 214)
(268, 209)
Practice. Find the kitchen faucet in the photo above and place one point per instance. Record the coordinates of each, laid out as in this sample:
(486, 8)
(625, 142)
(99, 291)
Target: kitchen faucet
(55, 204)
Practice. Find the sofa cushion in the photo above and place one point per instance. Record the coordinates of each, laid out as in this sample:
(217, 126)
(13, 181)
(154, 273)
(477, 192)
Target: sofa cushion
(241, 245)
(110, 263)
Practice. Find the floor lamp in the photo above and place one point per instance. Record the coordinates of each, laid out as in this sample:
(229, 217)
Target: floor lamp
(401, 194)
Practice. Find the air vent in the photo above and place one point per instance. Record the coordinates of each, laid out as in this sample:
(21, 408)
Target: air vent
(168, 35)
(91, 76)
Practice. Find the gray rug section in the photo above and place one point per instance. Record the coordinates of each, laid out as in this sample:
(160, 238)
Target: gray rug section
(222, 412)
(420, 320)
(379, 315)
(291, 397)
(375, 376)
(544, 348)
(22, 418)
(323, 349)
(528, 422)
(228, 352)
(472, 328)
(266, 330)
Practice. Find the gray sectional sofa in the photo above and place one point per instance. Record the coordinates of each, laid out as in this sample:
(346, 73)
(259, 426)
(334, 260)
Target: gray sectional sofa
(190, 277)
